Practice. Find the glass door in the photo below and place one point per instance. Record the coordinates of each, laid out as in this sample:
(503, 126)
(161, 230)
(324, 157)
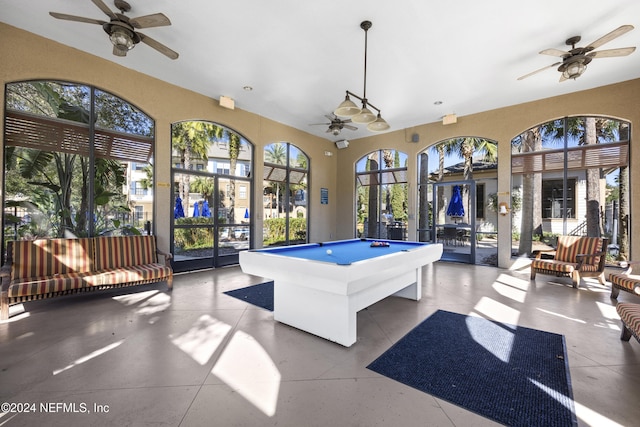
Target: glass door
(453, 220)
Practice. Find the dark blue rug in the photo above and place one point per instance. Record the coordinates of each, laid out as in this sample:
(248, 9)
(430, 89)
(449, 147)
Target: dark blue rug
(260, 295)
(513, 375)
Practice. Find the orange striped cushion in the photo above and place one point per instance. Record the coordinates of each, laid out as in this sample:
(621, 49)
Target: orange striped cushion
(132, 274)
(124, 251)
(570, 246)
(630, 316)
(552, 265)
(45, 285)
(47, 257)
(631, 282)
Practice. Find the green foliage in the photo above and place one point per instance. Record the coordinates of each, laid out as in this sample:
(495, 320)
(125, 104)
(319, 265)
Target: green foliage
(276, 229)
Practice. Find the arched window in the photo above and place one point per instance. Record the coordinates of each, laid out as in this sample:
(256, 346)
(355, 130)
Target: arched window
(285, 198)
(78, 162)
(381, 195)
(211, 167)
(573, 177)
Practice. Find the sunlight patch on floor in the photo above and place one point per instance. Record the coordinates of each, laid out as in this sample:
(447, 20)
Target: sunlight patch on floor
(492, 309)
(89, 357)
(202, 339)
(592, 418)
(247, 368)
(553, 313)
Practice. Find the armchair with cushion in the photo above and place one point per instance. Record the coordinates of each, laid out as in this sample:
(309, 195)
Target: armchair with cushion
(576, 257)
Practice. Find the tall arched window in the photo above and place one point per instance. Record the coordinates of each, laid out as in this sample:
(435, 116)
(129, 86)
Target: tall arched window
(573, 176)
(78, 162)
(211, 166)
(381, 195)
(285, 199)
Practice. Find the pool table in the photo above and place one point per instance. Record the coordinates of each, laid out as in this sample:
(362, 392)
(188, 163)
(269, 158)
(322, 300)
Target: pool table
(320, 287)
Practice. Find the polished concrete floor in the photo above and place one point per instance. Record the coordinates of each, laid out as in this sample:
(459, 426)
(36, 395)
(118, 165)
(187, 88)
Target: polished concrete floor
(197, 357)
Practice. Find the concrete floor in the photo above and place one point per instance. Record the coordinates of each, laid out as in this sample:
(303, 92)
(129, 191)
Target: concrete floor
(197, 357)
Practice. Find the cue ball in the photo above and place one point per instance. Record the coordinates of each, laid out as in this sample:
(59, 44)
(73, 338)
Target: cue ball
(329, 251)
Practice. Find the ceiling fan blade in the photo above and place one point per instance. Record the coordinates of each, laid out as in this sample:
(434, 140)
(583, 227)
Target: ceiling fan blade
(76, 18)
(555, 52)
(103, 7)
(537, 71)
(119, 52)
(319, 124)
(610, 53)
(158, 46)
(350, 127)
(612, 35)
(148, 21)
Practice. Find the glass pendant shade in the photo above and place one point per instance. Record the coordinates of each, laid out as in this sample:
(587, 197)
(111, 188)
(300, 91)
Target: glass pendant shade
(347, 108)
(364, 117)
(574, 70)
(379, 125)
(121, 39)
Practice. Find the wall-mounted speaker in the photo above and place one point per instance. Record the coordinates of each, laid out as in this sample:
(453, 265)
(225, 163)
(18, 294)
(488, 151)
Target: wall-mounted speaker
(415, 138)
(343, 143)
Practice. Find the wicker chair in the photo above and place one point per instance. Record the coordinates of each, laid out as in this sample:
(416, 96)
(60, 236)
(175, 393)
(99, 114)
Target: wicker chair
(576, 257)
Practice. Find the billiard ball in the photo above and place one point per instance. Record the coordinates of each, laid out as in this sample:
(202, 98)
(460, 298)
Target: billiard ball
(329, 251)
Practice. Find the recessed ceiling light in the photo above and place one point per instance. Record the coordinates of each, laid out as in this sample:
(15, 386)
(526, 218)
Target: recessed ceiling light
(248, 88)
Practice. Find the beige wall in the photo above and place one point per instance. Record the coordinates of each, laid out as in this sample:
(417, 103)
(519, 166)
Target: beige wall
(26, 56)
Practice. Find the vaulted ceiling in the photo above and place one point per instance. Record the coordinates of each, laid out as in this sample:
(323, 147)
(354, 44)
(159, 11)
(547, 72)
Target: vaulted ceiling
(425, 59)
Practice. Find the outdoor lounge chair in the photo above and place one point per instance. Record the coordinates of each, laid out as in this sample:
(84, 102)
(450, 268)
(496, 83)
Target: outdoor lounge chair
(575, 257)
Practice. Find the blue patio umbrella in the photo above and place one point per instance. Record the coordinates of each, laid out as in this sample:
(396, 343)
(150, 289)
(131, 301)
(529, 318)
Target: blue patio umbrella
(178, 210)
(456, 208)
(246, 213)
(196, 210)
(206, 212)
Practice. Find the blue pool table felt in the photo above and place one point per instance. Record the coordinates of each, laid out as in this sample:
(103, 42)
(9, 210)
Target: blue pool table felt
(343, 252)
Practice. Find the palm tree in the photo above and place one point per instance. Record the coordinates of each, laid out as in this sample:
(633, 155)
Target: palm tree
(623, 190)
(531, 220)
(276, 154)
(192, 139)
(234, 151)
(466, 148)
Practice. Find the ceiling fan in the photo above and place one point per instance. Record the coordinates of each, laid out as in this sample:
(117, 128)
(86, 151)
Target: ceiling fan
(336, 125)
(574, 61)
(122, 29)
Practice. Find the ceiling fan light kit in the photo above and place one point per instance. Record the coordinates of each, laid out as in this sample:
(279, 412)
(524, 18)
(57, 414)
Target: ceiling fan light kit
(121, 38)
(574, 61)
(122, 30)
(362, 115)
(574, 70)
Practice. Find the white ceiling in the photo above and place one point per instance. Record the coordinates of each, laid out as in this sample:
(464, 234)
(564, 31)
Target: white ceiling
(301, 56)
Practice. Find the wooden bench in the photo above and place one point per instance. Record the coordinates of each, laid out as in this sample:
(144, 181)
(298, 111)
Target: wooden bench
(575, 257)
(630, 317)
(46, 268)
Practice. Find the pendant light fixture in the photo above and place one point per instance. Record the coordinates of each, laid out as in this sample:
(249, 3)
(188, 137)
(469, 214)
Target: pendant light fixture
(362, 115)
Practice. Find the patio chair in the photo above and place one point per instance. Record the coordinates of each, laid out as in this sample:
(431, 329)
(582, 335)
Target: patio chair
(576, 257)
